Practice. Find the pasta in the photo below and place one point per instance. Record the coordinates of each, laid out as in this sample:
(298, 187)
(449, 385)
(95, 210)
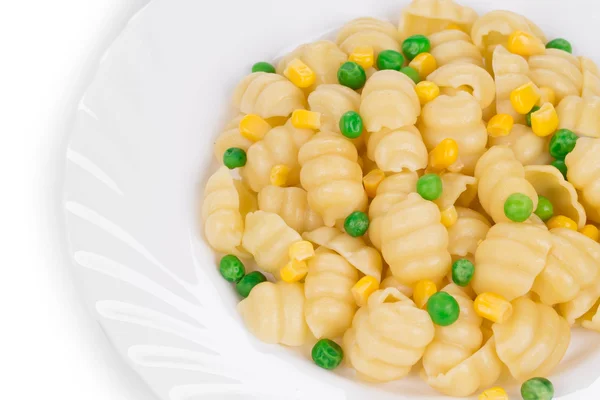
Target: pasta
(268, 95)
(391, 282)
(454, 185)
(528, 148)
(557, 70)
(414, 242)
(378, 34)
(500, 175)
(389, 100)
(584, 173)
(231, 137)
(464, 236)
(391, 191)
(430, 16)
(580, 115)
(280, 146)
(330, 306)
(510, 258)
(333, 101)
(397, 150)
(581, 304)
(533, 341)
(268, 238)
(364, 258)
(274, 313)
(510, 71)
(591, 77)
(387, 337)
(461, 74)
(454, 46)
(291, 204)
(456, 117)
(332, 177)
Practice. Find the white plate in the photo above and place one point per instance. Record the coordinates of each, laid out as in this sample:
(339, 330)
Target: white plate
(141, 149)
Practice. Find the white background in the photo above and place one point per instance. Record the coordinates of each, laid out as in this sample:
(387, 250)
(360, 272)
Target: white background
(50, 347)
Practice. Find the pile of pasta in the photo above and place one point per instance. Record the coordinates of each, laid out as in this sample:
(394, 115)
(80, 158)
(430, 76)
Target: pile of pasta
(300, 178)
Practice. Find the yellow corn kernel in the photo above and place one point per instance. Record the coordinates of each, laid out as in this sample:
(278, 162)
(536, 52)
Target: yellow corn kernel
(454, 27)
(496, 393)
(591, 231)
(372, 180)
(304, 119)
(294, 271)
(427, 91)
(524, 98)
(449, 217)
(423, 291)
(300, 74)
(443, 155)
(253, 127)
(301, 251)
(363, 289)
(547, 96)
(544, 121)
(363, 56)
(279, 175)
(493, 307)
(525, 44)
(560, 221)
(500, 125)
(425, 64)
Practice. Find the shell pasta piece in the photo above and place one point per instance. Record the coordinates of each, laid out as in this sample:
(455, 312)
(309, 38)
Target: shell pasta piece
(511, 71)
(454, 46)
(414, 242)
(591, 77)
(528, 148)
(268, 238)
(469, 230)
(533, 341)
(330, 305)
(398, 149)
(387, 337)
(581, 304)
(371, 32)
(429, 16)
(291, 204)
(274, 313)
(332, 177)
(454, 185)
(584, 173)
(268, 95)
(231, 137)
(557, 70)
(581, 115)
(460, 74)
(333, 101)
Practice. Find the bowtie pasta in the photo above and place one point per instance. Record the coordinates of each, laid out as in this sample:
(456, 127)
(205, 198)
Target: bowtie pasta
(416, 196)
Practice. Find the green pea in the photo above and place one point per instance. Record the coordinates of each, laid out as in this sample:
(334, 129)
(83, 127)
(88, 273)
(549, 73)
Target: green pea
(234, 158)
(545, 209)
(443, 309)
(537, 389)
(561, 166)
(430, 187)
(231, 268)
(263, 66)
(390, 59)
(563, 142)
(415, 45)
(518, 207)
(327, 354)
(248, 282)
(411, 73)
(462, 272)
(560, 44)
(528, 117)
(352, 75)
(351, 125)
(356, 224)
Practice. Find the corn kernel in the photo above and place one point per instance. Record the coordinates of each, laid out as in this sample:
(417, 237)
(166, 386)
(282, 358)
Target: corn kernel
(500, 125)
(425, 64)
(547, 96)
(304, 119)
(363, 289)
(372, 181)
(363, 56)
(496, 393)
(454, 27)
(591, 231)
(560, 221)
(443, 155)
(423, 291)
(279, 175)
(493, 307)
(544, 121)
(253, 127)
(524, 98)
(294, 271)
(449, 217)
(427, 91)
(301, 251)
(300, 74)
(525, 44)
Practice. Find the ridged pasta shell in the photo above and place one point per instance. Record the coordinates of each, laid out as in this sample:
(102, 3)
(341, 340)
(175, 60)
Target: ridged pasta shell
(461, 74)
